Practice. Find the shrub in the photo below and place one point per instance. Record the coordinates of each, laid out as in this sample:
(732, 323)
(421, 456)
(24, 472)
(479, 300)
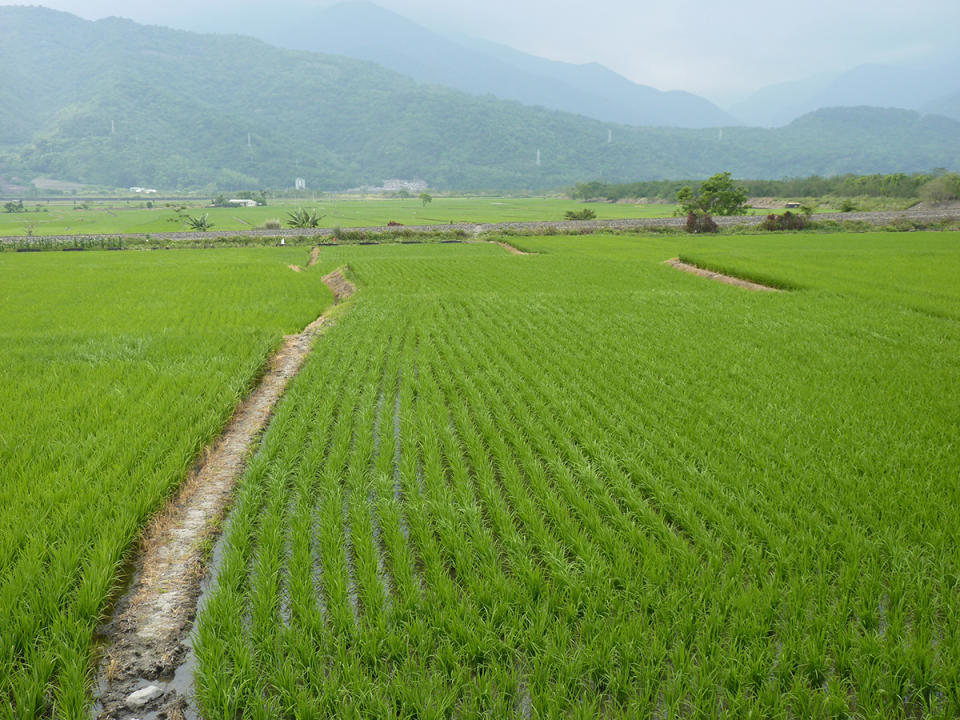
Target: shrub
(303, 218)
(199, 222)
(271, 225)
(847, 206)
(700, 222)
(584, 214)
(787, 221)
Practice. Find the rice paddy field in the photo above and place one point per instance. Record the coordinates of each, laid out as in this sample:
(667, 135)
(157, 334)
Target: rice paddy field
(123, 216)
(65, 217)
(116, 369)
(574, 483)
(583, 484)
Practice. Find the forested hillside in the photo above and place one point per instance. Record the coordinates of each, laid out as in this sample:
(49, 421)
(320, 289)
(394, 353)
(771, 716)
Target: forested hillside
(118, 104)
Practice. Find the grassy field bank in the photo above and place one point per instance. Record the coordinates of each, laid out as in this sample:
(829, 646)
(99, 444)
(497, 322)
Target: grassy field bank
(583, 484)
(117, 368)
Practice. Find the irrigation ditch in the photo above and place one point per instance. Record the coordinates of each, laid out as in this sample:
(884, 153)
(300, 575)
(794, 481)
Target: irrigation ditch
(147, 660)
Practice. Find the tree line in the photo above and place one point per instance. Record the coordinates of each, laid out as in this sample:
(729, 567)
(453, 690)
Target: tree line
(938, 184)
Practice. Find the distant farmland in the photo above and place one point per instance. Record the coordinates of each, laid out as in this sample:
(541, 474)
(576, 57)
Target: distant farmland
(571, 483)
(117, 216)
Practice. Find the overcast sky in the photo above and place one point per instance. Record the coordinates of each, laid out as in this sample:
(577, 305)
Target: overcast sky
(718, 49)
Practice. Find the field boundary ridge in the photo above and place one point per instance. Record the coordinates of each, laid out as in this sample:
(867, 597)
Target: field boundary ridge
(720, 277)
(148, 635)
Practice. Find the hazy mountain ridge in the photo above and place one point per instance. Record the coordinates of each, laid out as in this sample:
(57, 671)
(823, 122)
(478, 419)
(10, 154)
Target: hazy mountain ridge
(947, 105)
(120, 104)
(368, 32)
(909, 88)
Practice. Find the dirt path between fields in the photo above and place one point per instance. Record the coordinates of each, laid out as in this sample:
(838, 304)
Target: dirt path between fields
(510, 248)
(720, 277)
(341, 287)
(314, 259)
(148, 635)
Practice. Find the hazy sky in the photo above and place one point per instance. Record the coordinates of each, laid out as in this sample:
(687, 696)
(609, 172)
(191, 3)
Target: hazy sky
(714, 48)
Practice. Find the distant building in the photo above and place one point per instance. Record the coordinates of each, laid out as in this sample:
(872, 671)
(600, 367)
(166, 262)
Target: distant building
(300, 184)
(397, 184)
(792, 205)
(238, 202)
(142, 190)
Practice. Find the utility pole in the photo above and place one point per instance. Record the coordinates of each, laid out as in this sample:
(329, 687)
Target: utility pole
(609, 136)
(538, 158)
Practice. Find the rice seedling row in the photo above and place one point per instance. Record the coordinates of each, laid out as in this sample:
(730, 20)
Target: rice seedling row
(583, 484)
(117, 370)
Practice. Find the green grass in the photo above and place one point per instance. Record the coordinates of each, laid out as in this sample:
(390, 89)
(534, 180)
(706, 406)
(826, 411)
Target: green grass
(129, 217)
(583, 484)
(117, 368)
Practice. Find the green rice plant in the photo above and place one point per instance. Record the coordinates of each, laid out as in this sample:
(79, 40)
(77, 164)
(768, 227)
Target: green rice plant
(585, 482)
(113, 383)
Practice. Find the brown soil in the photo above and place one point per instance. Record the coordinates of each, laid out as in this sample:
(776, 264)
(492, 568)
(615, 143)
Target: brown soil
(339, 285)
(314, 257)
(510, 248)
(719, 277)
(148, 634)
(295, 268)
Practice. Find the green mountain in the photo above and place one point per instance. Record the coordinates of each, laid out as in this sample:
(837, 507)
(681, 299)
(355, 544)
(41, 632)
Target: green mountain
(120, 104)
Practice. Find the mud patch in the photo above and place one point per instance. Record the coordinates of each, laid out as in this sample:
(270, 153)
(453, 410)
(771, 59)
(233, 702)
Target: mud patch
(314, 257)
(339, 285)
(147, 639)
(295, 268)
(720, 277)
